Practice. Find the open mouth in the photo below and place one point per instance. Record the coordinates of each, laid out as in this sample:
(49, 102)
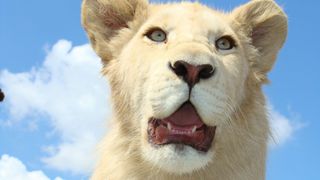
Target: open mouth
(182, 127)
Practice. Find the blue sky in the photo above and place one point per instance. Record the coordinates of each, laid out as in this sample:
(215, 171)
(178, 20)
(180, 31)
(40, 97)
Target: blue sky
(41, 41)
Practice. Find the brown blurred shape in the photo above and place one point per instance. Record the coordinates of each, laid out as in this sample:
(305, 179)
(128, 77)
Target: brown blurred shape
(1, 96)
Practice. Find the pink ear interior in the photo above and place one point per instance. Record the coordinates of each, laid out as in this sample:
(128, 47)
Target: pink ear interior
(112, 19)
(259, 32)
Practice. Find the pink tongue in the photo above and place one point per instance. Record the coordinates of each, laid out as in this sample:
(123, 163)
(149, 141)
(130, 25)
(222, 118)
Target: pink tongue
(186, 116)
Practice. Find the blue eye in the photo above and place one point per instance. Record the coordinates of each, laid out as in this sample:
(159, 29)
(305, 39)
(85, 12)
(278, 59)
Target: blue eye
(157, 35)
(225, 43)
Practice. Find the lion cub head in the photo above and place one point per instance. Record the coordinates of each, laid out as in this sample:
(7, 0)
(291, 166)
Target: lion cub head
(186, 79)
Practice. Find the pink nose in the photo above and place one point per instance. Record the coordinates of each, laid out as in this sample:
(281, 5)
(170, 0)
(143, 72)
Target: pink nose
(192, 74)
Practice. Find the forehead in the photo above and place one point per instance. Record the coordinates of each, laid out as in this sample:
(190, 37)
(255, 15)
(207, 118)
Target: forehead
(191, 17)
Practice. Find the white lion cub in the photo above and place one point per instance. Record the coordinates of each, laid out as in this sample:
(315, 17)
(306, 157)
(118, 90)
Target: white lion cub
(186, 87)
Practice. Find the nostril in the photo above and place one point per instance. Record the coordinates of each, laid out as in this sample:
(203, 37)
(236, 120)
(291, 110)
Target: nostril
(179, 68)
(206, 71)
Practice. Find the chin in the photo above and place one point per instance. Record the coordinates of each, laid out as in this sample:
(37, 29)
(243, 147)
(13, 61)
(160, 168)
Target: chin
(177, 158)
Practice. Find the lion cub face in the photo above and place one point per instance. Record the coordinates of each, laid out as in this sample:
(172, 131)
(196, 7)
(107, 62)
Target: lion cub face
(185, 70)
(179, 71)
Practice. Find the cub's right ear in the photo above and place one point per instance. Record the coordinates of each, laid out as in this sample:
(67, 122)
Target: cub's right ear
(103, 19)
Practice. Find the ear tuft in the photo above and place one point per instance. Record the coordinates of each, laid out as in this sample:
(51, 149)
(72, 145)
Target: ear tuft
(265, 24)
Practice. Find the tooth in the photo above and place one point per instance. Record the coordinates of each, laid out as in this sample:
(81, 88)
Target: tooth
(169, 126)
(194, 129)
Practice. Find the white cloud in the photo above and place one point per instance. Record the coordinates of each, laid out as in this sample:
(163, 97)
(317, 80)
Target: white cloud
(282, 128)
(13, 169)
(69, 89)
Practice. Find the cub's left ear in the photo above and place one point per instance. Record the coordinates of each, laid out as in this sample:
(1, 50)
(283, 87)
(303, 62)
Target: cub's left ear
(265, 24)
